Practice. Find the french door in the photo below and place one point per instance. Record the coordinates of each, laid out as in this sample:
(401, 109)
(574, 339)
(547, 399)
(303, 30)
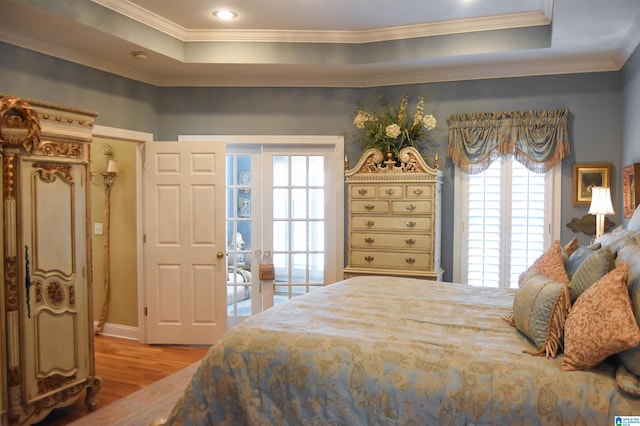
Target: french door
(277, 213)
(284, 206)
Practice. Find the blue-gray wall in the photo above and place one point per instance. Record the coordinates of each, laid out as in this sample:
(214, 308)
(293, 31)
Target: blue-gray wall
(631, 111)
(595, 101)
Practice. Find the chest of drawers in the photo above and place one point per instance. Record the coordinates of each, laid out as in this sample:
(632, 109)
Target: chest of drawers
(394, 217)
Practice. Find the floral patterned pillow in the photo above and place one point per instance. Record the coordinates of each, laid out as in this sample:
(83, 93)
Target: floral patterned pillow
(601, 323)
(571, 246)
(551, 264)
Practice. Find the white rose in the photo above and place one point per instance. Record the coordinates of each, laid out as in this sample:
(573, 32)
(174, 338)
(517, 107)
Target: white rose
(360, 120)
(393, 131)
(429, 122)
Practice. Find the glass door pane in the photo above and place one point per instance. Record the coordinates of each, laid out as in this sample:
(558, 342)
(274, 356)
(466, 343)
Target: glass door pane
(298, 231)
(239, 206)
(276, 205)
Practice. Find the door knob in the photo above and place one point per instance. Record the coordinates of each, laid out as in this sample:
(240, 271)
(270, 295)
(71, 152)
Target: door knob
(220, 255)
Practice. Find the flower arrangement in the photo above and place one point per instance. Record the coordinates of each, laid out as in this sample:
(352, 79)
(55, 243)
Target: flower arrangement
(390, 127)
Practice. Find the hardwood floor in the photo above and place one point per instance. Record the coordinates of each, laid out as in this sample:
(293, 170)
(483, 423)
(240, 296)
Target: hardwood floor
(126, 366)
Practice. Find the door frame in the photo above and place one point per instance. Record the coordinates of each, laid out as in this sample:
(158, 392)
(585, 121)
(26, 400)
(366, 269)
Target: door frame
(139, 138)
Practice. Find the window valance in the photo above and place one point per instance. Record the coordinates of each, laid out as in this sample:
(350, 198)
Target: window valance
(537, 139)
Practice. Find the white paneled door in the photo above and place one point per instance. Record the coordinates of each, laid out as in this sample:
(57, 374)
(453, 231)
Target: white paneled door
(184, 249)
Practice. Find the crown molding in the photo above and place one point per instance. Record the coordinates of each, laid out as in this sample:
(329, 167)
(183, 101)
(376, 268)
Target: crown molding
(263, 76)
(152, 20)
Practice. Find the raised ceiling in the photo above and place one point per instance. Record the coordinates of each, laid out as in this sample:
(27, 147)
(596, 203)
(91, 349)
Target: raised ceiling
(327, 43)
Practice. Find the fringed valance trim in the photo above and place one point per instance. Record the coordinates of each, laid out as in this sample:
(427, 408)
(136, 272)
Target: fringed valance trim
(537, 139)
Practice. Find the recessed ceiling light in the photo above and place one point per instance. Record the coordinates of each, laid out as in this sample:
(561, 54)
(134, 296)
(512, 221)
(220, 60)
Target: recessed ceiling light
(225, 14)
(139, 54)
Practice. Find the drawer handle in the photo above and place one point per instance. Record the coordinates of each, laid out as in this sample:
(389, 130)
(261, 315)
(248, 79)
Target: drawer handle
(410, 260)
(369, 258)
(418, 191)
(410, 241)
(411, 207)
(369, 240)
(369, 207)
(363, 191)
(411, 224)
(390, 191)
(370, 223)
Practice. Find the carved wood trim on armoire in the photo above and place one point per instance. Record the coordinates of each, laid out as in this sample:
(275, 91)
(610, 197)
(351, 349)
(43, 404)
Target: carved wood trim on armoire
(46, 321)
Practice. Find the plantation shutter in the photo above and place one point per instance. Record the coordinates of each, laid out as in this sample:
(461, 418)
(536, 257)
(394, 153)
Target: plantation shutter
(506, 223)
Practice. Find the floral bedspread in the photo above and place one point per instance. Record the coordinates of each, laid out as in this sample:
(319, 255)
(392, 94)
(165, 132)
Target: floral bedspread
(392, 351)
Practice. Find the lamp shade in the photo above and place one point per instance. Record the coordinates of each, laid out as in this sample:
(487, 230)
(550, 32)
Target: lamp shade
(601, 201)
(239, 240)
(112, 167)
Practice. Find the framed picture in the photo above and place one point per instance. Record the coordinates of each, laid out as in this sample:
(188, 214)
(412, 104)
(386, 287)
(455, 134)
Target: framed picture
(631, 192)
(585, 177)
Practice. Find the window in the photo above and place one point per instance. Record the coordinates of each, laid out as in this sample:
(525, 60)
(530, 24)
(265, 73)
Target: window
(507, 216)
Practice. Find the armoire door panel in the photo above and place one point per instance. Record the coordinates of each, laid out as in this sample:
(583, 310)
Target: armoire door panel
(56, 347)
(55, 328)
(53, 223)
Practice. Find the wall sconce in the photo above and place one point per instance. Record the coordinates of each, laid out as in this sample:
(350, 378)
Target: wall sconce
(600, 205)
(110, 170)
(106, 177)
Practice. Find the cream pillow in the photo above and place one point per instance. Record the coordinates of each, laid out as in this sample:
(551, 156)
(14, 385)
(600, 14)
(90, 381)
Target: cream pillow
(634, 222)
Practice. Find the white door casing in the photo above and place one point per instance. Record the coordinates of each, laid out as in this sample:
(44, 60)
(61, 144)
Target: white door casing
(184, 229)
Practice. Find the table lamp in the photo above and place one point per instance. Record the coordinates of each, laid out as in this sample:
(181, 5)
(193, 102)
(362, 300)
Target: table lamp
(600, 206)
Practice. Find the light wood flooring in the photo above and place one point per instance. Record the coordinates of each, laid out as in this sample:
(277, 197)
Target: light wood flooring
(126, 366)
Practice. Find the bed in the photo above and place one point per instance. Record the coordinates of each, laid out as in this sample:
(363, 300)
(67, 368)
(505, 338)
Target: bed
(388, 350)
(237, 290)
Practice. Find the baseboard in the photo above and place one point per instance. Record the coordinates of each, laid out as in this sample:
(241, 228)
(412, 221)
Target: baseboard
(118, 330)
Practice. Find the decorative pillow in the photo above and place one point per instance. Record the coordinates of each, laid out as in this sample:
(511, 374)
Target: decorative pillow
(551, 264)
(579, 256)
(629, 251)
(601, 323)
(540, 308)
(627, 381)
(634, 222)
(614, 238)
(572, 246)
(594, 267)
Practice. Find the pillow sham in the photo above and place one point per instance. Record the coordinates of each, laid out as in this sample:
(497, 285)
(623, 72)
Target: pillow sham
(601, 323)
(634, 222)
(540, 308)
(615, 237)
(589, 271)
(571, 246)
(629, 251)
(580, 255)
(627, 381)
(551, 264)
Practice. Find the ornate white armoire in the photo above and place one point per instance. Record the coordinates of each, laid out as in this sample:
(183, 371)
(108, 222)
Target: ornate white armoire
(46, 324)
(394, 216)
